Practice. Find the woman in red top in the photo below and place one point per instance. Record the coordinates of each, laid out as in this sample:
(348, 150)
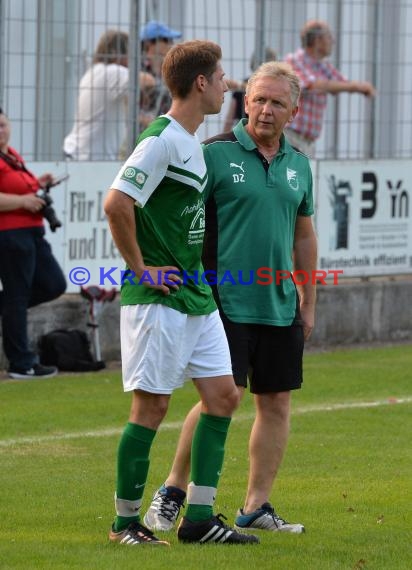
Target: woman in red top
(29, 273)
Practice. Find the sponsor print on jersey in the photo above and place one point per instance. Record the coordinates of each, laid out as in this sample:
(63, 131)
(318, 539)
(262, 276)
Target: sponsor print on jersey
(292, 177)
(197, 225)
(135, 176)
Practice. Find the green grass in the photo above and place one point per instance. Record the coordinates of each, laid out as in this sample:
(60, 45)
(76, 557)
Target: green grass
(346, 474)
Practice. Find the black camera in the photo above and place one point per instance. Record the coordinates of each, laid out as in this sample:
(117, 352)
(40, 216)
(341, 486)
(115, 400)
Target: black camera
(48, 211)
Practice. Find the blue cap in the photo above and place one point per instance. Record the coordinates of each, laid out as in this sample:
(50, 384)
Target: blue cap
(155, 30)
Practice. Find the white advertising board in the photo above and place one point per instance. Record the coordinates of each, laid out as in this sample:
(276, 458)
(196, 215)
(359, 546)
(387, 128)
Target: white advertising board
(364, 218)
(83, 245)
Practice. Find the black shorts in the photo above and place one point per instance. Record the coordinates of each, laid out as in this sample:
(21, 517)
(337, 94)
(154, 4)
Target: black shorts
(270, 356)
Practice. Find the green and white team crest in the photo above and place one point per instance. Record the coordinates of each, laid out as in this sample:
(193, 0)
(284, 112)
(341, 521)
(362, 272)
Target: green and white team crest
(292, 177)
(135, 176)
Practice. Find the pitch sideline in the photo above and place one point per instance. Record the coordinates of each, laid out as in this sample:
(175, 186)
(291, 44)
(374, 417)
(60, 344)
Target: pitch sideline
(177, 425)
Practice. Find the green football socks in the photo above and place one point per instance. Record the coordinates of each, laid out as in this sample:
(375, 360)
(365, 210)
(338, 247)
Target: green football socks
(208, 449)
(132, 469)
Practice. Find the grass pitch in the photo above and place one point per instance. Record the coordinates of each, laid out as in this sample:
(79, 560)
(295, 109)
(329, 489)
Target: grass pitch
(346, 474)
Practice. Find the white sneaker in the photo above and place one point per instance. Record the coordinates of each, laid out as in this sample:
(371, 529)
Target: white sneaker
(266, 518)
(164, 509)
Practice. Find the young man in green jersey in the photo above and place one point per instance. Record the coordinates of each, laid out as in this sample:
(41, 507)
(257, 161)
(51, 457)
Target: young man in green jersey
(258, 222)
(169, 330)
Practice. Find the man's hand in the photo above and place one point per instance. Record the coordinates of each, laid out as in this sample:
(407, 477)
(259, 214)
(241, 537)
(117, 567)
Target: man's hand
(164, 278)
(366, 88)
(307, 312)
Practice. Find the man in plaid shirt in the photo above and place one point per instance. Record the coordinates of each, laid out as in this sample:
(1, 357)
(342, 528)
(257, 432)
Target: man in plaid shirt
(318, 78)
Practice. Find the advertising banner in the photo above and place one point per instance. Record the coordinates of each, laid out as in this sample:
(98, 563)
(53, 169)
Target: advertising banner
(83, 245)
(364, 218)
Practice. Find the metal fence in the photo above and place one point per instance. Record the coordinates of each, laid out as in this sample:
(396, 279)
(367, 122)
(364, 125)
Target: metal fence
(47, 45)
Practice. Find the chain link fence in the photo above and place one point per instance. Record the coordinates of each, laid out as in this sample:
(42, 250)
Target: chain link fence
(47, 46)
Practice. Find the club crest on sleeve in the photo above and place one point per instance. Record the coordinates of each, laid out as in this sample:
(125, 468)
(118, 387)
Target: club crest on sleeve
(135, 176)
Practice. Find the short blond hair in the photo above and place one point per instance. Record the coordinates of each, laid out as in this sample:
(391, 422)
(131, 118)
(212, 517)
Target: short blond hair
(277, 70)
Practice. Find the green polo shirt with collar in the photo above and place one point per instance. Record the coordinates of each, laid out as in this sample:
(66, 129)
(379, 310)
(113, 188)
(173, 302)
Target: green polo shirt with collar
(252, 208)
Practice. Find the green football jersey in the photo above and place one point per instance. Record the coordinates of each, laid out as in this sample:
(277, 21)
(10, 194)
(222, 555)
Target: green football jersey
(251, 214)
(166, 175)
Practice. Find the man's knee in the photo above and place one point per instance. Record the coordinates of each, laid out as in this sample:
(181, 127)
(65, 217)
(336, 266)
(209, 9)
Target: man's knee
(234, 398)
(159, 412)
(220, 396)
(229, 400)
(275, 404)
(148, 409)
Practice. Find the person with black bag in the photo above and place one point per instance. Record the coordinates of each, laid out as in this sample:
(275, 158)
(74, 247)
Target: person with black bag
(29, 273)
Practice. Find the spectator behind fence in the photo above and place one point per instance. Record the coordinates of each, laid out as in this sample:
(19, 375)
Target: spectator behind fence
(156, 40)
(100, 118)
(236, 109)
(317, 79)
(29, 273)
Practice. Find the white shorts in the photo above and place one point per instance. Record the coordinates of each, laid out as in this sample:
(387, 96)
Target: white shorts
(162, 347)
